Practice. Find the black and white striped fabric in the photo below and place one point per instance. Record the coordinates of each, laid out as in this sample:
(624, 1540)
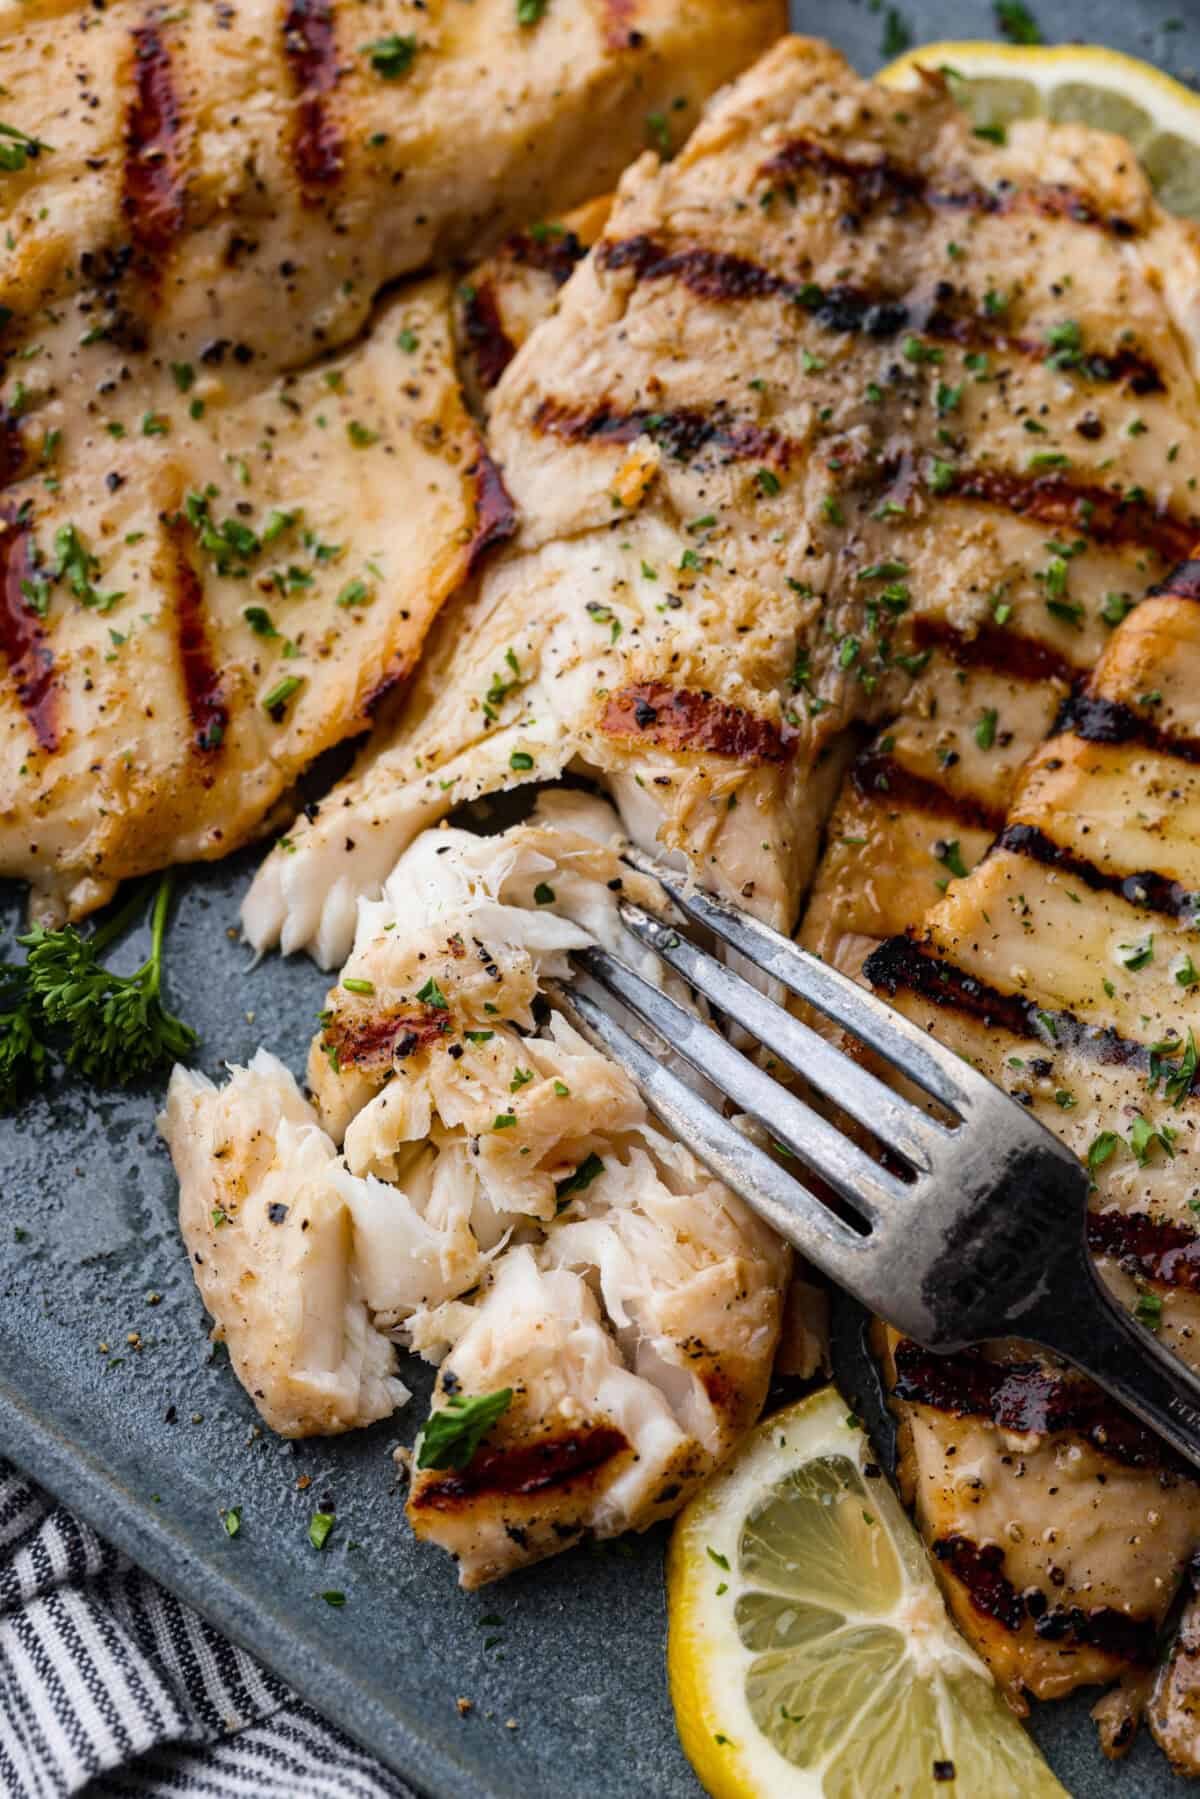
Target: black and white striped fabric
(109, 1686)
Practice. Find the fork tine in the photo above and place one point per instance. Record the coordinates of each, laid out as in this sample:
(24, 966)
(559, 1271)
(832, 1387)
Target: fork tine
(752, 1174)
(938, 1071)
(904, 1127)
(870, 1189)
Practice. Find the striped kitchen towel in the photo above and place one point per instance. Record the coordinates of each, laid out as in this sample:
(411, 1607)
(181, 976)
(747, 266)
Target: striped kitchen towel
(109, 1686)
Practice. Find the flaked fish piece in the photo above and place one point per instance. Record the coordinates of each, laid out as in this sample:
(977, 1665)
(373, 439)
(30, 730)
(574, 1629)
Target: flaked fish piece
(270, 1240)
(830, 340)
(255, 175)
(188, 618)
(1062, 965)
(513, 1212)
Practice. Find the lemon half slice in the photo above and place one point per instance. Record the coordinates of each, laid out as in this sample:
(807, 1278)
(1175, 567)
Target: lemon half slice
(998, 83)
(810, 1652)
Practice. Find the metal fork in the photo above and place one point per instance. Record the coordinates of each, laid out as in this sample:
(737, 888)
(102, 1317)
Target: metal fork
(984, 1239)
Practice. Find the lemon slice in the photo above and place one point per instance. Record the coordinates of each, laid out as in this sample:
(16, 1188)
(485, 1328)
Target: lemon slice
(810, 1652)
(998, 83)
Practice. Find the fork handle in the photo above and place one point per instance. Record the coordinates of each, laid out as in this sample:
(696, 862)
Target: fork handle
(1096, 1333)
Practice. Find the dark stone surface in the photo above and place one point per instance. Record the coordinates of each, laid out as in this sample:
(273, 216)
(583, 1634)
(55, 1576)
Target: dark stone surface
(577, 1657)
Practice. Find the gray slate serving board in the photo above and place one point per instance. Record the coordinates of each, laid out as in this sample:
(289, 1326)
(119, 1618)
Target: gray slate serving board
(88, 1231)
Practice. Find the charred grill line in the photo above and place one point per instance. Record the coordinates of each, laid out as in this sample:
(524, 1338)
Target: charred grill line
(201, 678)
(553, 252)
(1096, 512)
(684, 430)
(1183, 583)
(1154, 892)
(1097, 719)
(678, 719)
(522, 1471)
(23, 638)
(487, 341)
(310, 45)
(997, 649)
(1149, 1247)
(154, 186)
(1029, 1400)
(883, 780)
(883, 182)
(902, 965)
(721, 275)
(979, 1569)
(12, 447)
(495, 510)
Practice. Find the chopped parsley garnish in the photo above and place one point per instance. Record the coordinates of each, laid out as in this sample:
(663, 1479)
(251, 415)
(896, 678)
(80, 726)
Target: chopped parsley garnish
(1143, 1136)
(985, 728)
(1101, 1150)
(580, 1180)
(360, 436)
(768, 482)
(504, 1121)
(530, 11)
(319, 1527)
(1136, 955)
(334, 1598)
(391, 56)
(521, 1078)
(354, 985)
(432, 995)
(354, 593)
(949, 854)
(232, 1520)
(1148, 1310)
(275, 701)
(452, 1434)
(1178, 1083)
(1186, 975)
(1017, 22)
(520, 760)
(18, 149)
(1116, 607)
(260, 621)
(75, 564)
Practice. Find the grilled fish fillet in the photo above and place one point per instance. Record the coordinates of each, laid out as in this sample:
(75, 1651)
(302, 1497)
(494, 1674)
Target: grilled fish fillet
(189, 617)
(515, 1214)
(257, 173)
(834, 339)
(1062, 965)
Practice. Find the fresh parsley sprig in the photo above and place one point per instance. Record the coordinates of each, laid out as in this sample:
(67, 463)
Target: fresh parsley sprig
(63, 1000)
(452, 1434)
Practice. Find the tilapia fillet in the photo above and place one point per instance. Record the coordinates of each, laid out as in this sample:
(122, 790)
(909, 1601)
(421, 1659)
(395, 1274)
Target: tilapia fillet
(1063, 967)
(819, 402)
(502, 1203)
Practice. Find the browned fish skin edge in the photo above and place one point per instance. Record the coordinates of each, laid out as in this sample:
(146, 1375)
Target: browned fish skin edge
(1145, 889)
(884, 781)
(979, 1570)
(679, 719)
(310, 45)
(201, 677)
(523, 1470)
(495, 510)
(881, 181)
(154, 189)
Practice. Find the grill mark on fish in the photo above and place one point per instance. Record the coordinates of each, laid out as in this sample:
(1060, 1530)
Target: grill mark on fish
(523, 1470)
(1097, 719)
(979, 1569)
(552, 252)
(884, 182)
(310, 45)
(201, 677)
(1097, 512)
(721, 275)
(23, 639)
(487, 341)
(1146, 889)
(901, 965)
(1183, 583)
(679, 719)
(371, 1040)
(1152, 1248)
(997, 649)
(12, 446)
(154, 187)
(684, 431)
(1029, 1400)
(883, 780)
(495, 510)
